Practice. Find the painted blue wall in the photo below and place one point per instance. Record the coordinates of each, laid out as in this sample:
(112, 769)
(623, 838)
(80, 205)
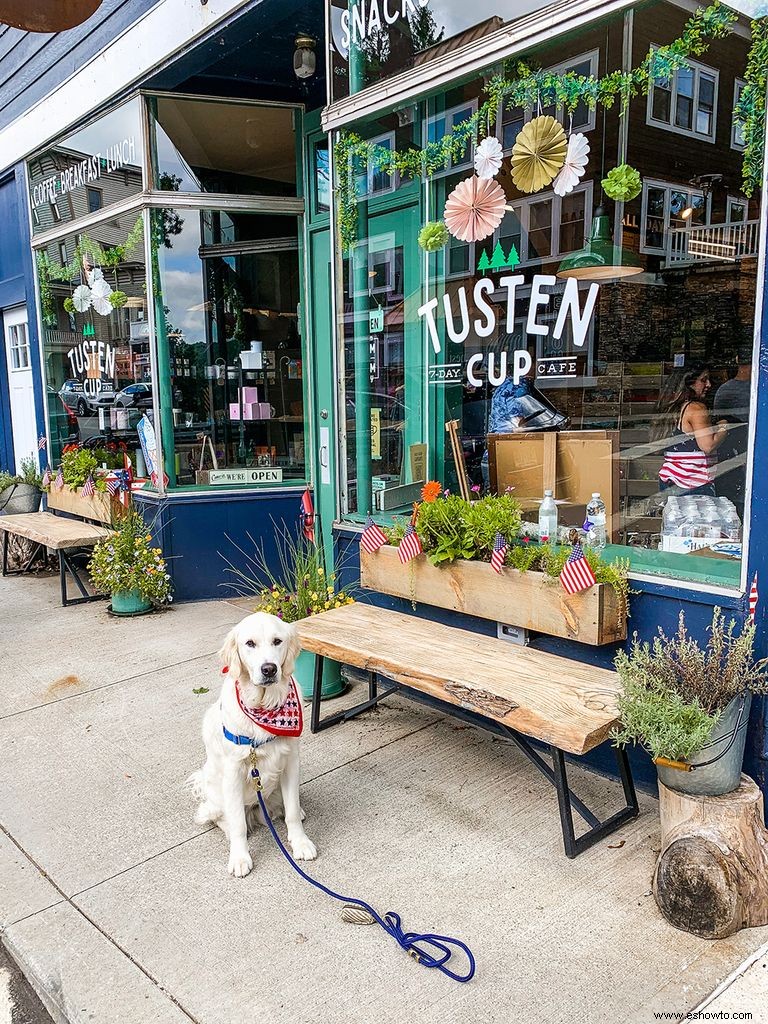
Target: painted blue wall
(198, 531)
(17, 287)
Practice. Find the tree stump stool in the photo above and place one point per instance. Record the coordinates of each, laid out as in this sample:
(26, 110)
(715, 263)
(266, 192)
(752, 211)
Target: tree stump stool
(712, 876)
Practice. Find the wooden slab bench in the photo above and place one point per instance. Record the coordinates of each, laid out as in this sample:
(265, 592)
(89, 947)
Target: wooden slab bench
(55, 533)
(517, 692)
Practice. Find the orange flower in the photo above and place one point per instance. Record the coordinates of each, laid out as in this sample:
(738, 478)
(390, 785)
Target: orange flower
(431, 490)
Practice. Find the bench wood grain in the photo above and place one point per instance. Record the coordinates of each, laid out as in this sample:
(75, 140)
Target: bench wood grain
(568, 704)
(54, 532)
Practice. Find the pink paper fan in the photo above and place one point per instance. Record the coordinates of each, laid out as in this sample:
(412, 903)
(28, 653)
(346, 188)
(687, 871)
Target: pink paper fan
(474, 209)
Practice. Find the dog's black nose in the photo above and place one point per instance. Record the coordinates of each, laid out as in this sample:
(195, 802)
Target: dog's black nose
(269, 670)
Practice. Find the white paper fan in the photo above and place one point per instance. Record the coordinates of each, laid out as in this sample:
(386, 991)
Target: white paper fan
(100, 293)
(488, 157)
(94, 276)
(81, 298)
(575, 164)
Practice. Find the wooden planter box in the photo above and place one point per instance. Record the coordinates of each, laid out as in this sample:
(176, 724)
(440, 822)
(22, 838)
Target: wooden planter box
(531, 600)
(98, 506)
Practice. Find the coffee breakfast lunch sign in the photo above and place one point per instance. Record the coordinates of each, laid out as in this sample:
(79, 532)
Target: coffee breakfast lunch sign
(573, 319)
(114, 158)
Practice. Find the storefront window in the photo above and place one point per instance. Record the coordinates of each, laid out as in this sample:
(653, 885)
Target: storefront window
(96, 336)
(227, 319)
(96, 167)
(643, 374)
(194, 150)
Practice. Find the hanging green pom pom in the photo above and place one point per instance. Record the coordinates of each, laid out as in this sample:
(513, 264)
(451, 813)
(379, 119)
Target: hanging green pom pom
(118, 299)
(623, 183)
(433, 236)
(69, 305)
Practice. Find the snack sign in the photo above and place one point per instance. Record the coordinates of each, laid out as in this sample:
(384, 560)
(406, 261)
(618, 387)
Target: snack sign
(573, 316)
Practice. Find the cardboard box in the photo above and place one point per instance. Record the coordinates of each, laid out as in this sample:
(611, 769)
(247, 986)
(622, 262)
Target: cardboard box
(234, 411)
(249, 394)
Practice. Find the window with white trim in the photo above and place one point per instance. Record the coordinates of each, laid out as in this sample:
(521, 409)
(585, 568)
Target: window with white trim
(440, 125)
(512, 119)
(662, 212)
(737, 130)
(546, 226)
(19, 343)
(686, 103)
(736, 210)
(380, 182)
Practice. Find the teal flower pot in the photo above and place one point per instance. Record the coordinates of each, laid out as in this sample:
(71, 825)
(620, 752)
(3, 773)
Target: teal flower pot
(129, 602)
(304, 673)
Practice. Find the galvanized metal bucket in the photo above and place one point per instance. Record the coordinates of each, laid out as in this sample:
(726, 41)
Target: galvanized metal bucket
(715, 767)
(20, 498)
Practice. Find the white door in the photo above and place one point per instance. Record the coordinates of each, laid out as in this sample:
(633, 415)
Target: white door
(20, 384)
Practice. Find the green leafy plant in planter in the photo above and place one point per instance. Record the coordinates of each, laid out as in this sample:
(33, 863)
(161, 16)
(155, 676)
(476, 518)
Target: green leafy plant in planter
(127, 566)
(299, 584)
(687, 704)
(21, 492)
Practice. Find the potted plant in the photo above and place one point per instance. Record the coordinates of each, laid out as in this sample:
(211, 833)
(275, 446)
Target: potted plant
(302, 585)
(689, 706)
(78, 463)
(126, 566)
(21, 492)
(457, 537)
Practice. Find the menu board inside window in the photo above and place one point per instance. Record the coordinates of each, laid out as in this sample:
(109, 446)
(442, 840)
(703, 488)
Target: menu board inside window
(91, 169)
(373, 39)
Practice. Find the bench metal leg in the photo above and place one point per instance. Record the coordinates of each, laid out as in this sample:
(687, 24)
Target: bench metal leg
(38, 552)
(66, 565)
(374, 696)
(574, 845)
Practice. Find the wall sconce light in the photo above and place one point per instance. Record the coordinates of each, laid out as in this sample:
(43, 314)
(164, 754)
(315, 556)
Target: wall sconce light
(304, 59)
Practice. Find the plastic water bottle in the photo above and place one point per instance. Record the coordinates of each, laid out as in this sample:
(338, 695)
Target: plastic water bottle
(596, 535)
(548, 519)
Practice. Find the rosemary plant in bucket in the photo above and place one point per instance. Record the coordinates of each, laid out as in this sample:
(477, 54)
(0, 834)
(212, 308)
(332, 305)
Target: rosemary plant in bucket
(689, 705)
(297, 584)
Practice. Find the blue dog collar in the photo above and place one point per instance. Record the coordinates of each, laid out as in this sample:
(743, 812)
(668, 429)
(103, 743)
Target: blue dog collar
(245, 741)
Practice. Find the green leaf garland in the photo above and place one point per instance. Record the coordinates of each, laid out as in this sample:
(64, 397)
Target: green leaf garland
(519, 86)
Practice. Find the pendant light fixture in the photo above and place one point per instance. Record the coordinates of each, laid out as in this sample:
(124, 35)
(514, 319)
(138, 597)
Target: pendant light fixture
(600, 259)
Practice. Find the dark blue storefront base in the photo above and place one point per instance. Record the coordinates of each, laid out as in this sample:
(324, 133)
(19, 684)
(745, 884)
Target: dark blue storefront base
(200, 532)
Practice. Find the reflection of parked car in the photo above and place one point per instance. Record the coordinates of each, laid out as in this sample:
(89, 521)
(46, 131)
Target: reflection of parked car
(135, 396)
(72, 397)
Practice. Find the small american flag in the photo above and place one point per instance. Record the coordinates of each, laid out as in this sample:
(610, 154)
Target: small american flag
(42, 443)
(753, 600)
(372, 537)
(59, 482)
(113, 485)
(577, 574)
(410, 545)
(89, 487)
(499, 553)
(47, 478)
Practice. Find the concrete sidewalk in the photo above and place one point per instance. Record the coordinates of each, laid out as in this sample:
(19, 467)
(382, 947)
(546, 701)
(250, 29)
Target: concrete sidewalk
(119, 909)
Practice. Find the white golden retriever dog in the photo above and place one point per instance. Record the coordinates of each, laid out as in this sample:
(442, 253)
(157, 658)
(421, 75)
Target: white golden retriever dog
(255, 724)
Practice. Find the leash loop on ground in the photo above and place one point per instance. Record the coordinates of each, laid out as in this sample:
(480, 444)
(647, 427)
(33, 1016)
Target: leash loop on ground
(426, 948)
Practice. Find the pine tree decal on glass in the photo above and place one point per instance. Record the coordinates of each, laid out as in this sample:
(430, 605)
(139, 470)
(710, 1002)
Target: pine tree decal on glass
(513, 260)
(483, 263)
(498, 260)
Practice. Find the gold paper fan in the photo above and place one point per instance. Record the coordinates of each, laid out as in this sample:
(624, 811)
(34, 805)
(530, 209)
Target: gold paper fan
(538, 153)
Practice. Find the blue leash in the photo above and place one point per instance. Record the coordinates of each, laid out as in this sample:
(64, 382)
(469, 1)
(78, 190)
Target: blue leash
(412, 942)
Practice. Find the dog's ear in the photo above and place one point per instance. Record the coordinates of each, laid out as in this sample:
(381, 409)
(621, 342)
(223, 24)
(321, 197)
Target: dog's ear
(230, 658)
(292, 652)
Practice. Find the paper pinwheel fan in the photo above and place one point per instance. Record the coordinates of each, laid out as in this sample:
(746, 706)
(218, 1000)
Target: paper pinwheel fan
(538, 153)
(488, 157)
(574, 167)
(474, 209)
(96, 293)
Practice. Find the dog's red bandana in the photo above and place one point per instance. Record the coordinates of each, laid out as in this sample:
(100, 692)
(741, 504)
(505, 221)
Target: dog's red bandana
(287, 720)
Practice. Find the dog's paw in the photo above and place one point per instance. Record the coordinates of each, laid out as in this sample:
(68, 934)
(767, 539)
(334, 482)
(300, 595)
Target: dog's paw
(239, 864)
(303, 848)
